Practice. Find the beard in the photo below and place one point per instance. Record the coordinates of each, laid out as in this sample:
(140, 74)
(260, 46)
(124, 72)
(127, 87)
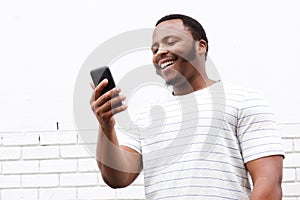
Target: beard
(174, 80)
(191, 54)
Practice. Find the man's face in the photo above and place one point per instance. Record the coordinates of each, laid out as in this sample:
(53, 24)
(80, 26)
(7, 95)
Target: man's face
(174, 51)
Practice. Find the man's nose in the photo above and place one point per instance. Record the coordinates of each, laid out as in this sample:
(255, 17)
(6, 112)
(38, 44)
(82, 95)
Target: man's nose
(162, 50)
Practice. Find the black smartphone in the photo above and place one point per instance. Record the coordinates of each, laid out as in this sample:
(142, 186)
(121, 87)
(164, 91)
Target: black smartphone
(99, 74)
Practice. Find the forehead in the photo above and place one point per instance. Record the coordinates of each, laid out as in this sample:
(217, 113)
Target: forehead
(170, 27)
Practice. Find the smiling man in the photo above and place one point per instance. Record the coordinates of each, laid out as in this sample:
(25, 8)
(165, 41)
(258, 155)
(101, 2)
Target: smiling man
(179, 57)
(223, 133)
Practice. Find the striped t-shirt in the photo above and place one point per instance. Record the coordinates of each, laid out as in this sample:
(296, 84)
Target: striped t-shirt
(195, 146)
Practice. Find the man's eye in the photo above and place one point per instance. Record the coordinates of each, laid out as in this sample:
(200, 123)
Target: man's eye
(171, 43)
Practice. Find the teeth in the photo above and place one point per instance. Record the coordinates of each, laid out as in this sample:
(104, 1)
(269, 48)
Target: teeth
(164, 65)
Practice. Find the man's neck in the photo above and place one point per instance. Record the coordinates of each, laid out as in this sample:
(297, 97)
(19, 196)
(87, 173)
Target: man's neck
(194, 85)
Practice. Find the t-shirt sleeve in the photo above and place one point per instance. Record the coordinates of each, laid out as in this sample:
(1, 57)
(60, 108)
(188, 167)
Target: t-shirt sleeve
(257, 129)
(130, 138)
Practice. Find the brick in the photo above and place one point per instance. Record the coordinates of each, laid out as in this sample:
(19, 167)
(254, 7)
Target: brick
(131, 192)
(292, 160)
(20, 139)
(24, 194)
(288, 145)
(40, 180)
(289, 198)
(289, 174)
(10, 153)
(20, 167)
(74, 151)
(139, 180)
(88, 137)
(10, 181)
(297, 144)
(63, 165)
(40, 152)
(79, 179)
(58, 138)
(87, 165)
(289, 130)
(57, 193)
(91, 193)
(298, 174)
(291, 189)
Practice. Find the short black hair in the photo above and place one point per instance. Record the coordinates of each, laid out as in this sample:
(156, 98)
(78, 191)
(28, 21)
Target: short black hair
(193, 26)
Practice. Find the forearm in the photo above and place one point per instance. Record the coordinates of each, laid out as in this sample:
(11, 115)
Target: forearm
(265, 189)
(108, 151)
(118, 167)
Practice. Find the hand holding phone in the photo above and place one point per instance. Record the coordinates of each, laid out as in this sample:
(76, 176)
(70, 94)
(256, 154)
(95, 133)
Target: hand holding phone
(99, 74)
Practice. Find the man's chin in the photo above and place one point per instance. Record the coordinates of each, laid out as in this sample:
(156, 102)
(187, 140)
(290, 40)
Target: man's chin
(172, 81)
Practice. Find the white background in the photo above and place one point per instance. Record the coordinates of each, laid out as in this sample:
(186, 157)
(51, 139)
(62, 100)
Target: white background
(44, 43)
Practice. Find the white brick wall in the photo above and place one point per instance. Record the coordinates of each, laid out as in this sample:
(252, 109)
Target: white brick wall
(291, 173)
(56, 165)
(24, 194)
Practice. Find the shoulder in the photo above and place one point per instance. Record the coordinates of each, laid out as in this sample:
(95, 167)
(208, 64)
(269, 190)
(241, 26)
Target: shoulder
(241, 93)
(239, 89)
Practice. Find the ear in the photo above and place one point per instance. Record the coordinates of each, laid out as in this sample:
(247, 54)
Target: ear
(201, 46)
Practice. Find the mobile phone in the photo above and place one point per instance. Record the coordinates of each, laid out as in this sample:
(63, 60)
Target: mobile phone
(99, 74)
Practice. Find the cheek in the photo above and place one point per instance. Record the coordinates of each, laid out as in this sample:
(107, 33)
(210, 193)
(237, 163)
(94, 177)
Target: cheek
(186, 52)
(179, 53)
(181, 50)
(154, 60)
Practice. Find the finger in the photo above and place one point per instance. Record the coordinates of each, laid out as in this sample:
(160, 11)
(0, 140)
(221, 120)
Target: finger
(92, 85)
(92, 99)
(117, 100)
(110, 113)
(97, 91)
(107, 96)
(100, 87)
(119, 109)
(113, 103)
(103, 116)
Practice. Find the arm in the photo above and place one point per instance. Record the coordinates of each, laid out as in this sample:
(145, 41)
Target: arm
(119, 165)
(266, 174)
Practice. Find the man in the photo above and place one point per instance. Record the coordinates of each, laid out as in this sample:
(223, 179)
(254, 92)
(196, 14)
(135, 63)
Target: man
(218, 146)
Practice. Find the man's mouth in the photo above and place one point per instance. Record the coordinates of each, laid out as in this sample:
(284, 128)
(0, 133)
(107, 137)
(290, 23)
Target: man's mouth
(166, 64)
